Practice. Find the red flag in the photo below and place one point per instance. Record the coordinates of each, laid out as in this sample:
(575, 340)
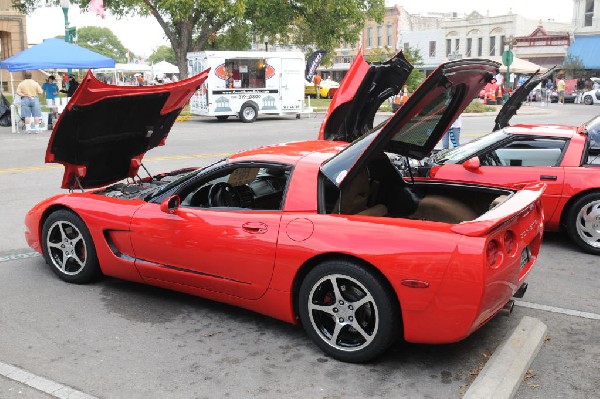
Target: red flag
(97, 6)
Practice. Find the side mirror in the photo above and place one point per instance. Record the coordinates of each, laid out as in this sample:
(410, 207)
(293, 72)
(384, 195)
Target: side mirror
(170, 204)
(472, 164)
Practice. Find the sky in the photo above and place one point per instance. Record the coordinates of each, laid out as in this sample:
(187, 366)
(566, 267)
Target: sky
(142, 36)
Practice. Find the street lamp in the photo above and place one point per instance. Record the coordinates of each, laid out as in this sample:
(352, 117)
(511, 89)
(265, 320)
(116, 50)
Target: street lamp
(266, 38)
(65, 4)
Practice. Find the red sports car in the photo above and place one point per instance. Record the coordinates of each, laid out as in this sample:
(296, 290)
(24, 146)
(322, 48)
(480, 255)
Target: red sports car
(323, 233)
(565, 158)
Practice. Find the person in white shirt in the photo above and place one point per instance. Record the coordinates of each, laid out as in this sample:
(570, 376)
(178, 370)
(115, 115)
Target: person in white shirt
(453, 134)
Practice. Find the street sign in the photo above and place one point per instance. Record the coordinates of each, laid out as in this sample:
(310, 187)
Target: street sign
(507, 57)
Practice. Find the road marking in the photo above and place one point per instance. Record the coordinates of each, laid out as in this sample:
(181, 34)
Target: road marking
(569, 312)
(26, 255)
(42, 384)
(151, 159)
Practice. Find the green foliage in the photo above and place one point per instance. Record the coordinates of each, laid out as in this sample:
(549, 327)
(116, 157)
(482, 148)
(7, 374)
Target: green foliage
(163, 53)
(191, 25)
(477, 106)
(102, 41)
(573, 66)
(417, 76)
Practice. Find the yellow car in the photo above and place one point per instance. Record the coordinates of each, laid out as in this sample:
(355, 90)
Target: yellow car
(324, 89)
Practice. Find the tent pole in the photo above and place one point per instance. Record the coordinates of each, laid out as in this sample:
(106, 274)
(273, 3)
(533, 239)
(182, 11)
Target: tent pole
(13, 121)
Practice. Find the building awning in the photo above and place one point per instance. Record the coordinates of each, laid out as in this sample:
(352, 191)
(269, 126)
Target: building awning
(587, 48)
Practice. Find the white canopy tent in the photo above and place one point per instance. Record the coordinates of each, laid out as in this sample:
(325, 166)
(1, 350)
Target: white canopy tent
(519, 65)
(164, 67)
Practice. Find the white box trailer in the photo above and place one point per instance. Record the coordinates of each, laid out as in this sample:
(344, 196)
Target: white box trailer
(248, 83)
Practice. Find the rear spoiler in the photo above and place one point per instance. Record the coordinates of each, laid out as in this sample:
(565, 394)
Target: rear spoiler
(522, 202)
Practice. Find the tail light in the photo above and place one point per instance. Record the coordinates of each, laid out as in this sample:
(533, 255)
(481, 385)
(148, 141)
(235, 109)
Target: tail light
(510, 242)
(493, 253)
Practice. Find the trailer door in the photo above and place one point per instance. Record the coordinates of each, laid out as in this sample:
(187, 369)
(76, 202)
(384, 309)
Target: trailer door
(292, 84)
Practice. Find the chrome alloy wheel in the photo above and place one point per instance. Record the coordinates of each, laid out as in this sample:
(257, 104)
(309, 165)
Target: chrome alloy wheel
(66, 247)
(343, 312)
(588, 223)
(249, 113)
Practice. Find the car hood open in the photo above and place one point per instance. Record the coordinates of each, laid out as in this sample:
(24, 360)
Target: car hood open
(420, 123)
(362, 91)
(512, 105)
(105, 130)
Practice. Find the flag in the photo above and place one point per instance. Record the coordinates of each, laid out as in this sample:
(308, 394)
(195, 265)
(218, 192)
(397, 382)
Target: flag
(97, 6)
(313, 63)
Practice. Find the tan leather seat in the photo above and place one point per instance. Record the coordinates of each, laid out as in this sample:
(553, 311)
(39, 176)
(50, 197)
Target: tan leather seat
(439, 208)
(355, 198)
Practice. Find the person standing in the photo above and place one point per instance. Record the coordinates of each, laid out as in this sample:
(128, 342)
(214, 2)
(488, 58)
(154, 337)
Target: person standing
(29, 90)
(72, 86)
(51, 91)
(560, 86)
(453, 134)
(317, 81)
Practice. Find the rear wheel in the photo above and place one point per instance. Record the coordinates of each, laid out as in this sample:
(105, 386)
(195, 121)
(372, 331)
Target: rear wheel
(348, 311)
(588, 100)
(583, 224)
(68, 248)
(222, 117)
(248, 113)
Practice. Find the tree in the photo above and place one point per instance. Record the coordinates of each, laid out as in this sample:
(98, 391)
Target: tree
(102, 41)
(573, 66)
(162, 53)
(189, 24)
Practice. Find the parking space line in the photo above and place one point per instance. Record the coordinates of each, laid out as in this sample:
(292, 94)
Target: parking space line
(52, 388)
(25, 255)
(150, 159)
(569, 312)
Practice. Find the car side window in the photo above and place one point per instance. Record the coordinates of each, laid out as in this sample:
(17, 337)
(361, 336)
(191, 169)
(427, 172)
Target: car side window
(245, 187)
(526, 152)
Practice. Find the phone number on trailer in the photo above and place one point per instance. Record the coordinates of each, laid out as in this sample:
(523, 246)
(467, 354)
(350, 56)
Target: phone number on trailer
(248, 96)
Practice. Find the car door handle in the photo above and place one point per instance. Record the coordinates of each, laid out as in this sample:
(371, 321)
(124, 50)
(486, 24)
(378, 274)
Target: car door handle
(255, 227)
(548, 177)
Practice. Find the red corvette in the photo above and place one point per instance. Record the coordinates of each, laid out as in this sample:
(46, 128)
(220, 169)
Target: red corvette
(565, 158)
(324, 233)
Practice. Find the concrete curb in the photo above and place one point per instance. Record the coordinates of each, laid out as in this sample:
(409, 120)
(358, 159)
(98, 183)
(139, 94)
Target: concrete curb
(503, 373)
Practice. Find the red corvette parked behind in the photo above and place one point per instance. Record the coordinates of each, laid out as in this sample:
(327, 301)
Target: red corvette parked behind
(324, 233)
(565, 158)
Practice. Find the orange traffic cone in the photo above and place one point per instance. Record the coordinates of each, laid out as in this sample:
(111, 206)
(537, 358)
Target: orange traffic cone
(404, 94)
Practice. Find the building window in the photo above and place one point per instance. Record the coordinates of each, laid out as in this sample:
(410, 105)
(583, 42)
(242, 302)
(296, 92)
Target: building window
(457, 46)
(502, 44)
(379, 35)
(432, 49)
(389, 35)
(469, 47)
(369, 34)
(480, 47)
(589, 12)
(406, 47)
(448, 47)
(493, 45)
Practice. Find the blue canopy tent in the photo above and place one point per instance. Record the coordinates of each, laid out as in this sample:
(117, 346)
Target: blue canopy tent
(54, 54)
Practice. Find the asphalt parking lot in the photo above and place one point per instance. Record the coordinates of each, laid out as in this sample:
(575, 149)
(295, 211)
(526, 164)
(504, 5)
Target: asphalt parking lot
(115, 339)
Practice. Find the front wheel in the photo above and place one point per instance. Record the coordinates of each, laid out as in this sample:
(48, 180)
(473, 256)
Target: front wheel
(583, 224)
(588, 100)
(248, 113)
(68, 248)
(349, 312)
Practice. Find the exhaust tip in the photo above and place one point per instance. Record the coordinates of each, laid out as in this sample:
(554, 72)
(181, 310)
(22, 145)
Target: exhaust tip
(507, 308)
(521, 291)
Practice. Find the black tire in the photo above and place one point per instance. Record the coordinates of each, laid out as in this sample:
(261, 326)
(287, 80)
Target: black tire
(222, 117)
(583, 223)
(248, 113)
(68, 248)
(361, 332)
(588, 100)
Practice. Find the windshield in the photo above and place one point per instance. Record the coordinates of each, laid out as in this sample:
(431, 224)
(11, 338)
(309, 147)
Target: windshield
(471, 148)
